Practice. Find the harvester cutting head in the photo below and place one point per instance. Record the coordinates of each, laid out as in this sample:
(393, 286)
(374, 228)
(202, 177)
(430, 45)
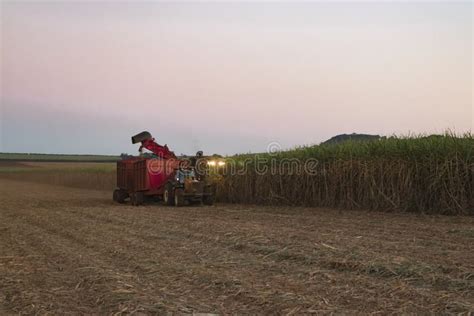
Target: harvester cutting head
(140, 137)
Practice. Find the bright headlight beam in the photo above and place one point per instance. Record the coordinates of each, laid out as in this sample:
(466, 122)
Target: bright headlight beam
(221, 163)
(211, 162)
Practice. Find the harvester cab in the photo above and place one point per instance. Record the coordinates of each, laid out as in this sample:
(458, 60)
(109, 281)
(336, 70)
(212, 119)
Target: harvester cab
(163, 176)
(185, 174)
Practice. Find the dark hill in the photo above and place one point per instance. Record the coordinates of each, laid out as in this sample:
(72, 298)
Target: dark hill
(354, 137)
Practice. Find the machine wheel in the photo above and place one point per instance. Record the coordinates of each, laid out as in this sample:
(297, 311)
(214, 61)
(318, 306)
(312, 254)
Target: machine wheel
(179, 197)
(139, 198)
(208, 199)
(119, 196)
(136, 198)
(168, 197)
(132, 198)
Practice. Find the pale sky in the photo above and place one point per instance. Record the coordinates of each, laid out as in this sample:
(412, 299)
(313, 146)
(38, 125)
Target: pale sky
(82, 77)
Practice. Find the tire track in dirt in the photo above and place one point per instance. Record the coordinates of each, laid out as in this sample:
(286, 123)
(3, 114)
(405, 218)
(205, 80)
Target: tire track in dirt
(310, 244)
(42, 224)
(253, 250)
(73, 255)
(187, 255)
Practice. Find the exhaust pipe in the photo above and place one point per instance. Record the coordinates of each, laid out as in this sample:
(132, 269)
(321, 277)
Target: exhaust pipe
(141, 137)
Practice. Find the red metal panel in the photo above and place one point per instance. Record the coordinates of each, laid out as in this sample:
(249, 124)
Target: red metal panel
(132, 174)
(140, 175)
(122, 175)
(160, 171)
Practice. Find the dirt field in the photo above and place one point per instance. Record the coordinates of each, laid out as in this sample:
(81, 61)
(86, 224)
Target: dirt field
(73, 250)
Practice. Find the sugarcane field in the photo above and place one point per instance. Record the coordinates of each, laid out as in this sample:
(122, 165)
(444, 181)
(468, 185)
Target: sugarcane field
(236, 158)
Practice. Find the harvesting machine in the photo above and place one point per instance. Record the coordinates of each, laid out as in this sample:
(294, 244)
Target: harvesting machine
(162, 176)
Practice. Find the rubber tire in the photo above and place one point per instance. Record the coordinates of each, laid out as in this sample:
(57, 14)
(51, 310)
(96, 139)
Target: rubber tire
(139, 198)
(170, 197)
(119, 196)
(133, 199)
(179, 197)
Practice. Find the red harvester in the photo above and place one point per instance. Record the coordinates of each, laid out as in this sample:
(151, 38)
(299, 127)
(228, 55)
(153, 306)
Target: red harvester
(164, 177)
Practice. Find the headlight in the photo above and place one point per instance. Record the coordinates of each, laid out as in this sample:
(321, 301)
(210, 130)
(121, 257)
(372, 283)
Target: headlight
(221, 163)
(211, 162)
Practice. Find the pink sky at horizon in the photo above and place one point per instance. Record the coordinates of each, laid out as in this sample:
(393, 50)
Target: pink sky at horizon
(83, 77)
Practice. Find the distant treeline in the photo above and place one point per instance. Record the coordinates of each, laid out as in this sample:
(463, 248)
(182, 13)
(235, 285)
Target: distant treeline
(57, 157)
